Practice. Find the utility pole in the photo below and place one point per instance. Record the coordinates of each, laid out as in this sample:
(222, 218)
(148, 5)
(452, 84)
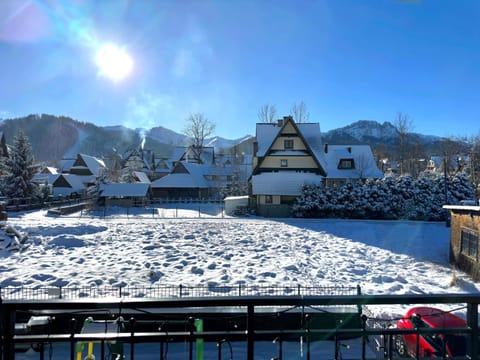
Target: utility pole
(445, 188)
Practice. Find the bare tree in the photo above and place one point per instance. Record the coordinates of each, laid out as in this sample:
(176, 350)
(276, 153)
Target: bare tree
(267, 113)
(198, 128)
(404, 125)
(363, 165)
(299, 112)
(451, 149)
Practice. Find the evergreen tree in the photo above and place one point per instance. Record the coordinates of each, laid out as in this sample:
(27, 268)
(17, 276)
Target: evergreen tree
(20, 169)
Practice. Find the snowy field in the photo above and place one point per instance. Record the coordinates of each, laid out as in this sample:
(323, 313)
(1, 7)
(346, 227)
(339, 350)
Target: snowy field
(383, 257)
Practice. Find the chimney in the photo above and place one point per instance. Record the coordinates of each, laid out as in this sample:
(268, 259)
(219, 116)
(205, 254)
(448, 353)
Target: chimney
(280, 122)
(326, 148)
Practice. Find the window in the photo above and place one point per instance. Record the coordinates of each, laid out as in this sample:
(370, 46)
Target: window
(288, 144)
(469, 243)
(268, 199)
(346, 164)
(283, 163)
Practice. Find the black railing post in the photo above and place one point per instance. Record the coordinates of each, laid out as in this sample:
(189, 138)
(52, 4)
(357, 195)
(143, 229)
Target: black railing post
(73, 323)
(307, 323)
(364, 336)
(219, 350)
(250, 332)
(132, 336)
(417, 340)
(359, 292)
(472, 322)
(191, 327)
(7, 332)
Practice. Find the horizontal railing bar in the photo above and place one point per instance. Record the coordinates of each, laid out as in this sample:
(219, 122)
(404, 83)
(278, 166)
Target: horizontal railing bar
(213, 335)
(239, 301)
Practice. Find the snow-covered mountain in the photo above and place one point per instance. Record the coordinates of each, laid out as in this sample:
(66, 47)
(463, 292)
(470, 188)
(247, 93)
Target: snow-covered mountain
(363, 130)
(53, 137)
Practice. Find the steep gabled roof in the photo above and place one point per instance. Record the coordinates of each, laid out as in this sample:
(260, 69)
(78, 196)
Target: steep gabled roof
(185, 175)
(66, 165)
(309, 133)
(74, 181)
(92, 163)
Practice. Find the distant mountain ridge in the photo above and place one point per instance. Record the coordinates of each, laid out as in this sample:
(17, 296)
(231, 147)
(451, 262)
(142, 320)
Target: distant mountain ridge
(54, 138)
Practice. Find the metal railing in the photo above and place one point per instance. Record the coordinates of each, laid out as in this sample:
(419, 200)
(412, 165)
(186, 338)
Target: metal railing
(168, 291)
(244, 320)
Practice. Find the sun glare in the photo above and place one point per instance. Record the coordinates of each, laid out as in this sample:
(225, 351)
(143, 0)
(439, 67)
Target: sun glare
(113, 62)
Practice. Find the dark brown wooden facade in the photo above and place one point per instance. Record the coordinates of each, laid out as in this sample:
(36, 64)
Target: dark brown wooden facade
(464, 239)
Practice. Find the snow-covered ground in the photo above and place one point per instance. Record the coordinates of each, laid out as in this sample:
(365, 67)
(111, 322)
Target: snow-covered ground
(192, 248)
(383, 257)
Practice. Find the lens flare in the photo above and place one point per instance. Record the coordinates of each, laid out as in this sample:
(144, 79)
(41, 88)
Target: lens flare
(113, 62)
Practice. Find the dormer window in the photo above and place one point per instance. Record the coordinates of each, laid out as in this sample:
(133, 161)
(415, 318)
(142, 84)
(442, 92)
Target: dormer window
(346, 164)
(288, 144)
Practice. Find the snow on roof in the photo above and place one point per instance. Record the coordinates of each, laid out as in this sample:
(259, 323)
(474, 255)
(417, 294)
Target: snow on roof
(50, 169)
(75, 181)
(365, 166)
(266, 134)
(180, 180)
(312, 135)
(66, 164)
(93, 164)
(242, 197)
(125, 189)
(283, 182)
(473, 208)
(142, 177)
(45, 178)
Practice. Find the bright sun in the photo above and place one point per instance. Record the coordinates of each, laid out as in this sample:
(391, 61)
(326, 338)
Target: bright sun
(113, 62)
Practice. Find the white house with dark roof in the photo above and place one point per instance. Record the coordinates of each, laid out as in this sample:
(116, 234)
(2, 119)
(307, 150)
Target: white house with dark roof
(288, 156)
(185, 181)
(61, 184)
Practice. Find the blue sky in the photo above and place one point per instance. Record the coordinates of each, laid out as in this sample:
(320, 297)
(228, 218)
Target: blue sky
(347, 60)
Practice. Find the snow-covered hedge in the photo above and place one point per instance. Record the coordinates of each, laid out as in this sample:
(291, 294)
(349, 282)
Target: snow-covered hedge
(388, 198)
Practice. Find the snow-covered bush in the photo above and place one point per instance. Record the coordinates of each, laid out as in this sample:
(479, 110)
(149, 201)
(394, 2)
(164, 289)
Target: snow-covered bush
(388, 198)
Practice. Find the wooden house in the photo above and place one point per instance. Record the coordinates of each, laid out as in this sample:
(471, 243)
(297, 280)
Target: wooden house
(464, 238)
(286, 157)
(125, 194)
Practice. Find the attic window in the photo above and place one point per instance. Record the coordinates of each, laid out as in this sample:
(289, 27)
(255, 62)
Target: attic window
(288, 144)
(283, 163)
(346, 164)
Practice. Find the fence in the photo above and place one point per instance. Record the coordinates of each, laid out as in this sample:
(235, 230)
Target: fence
(248, 324)
(169, 291)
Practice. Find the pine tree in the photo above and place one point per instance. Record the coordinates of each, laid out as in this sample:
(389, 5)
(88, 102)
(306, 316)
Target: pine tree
(20, 169)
